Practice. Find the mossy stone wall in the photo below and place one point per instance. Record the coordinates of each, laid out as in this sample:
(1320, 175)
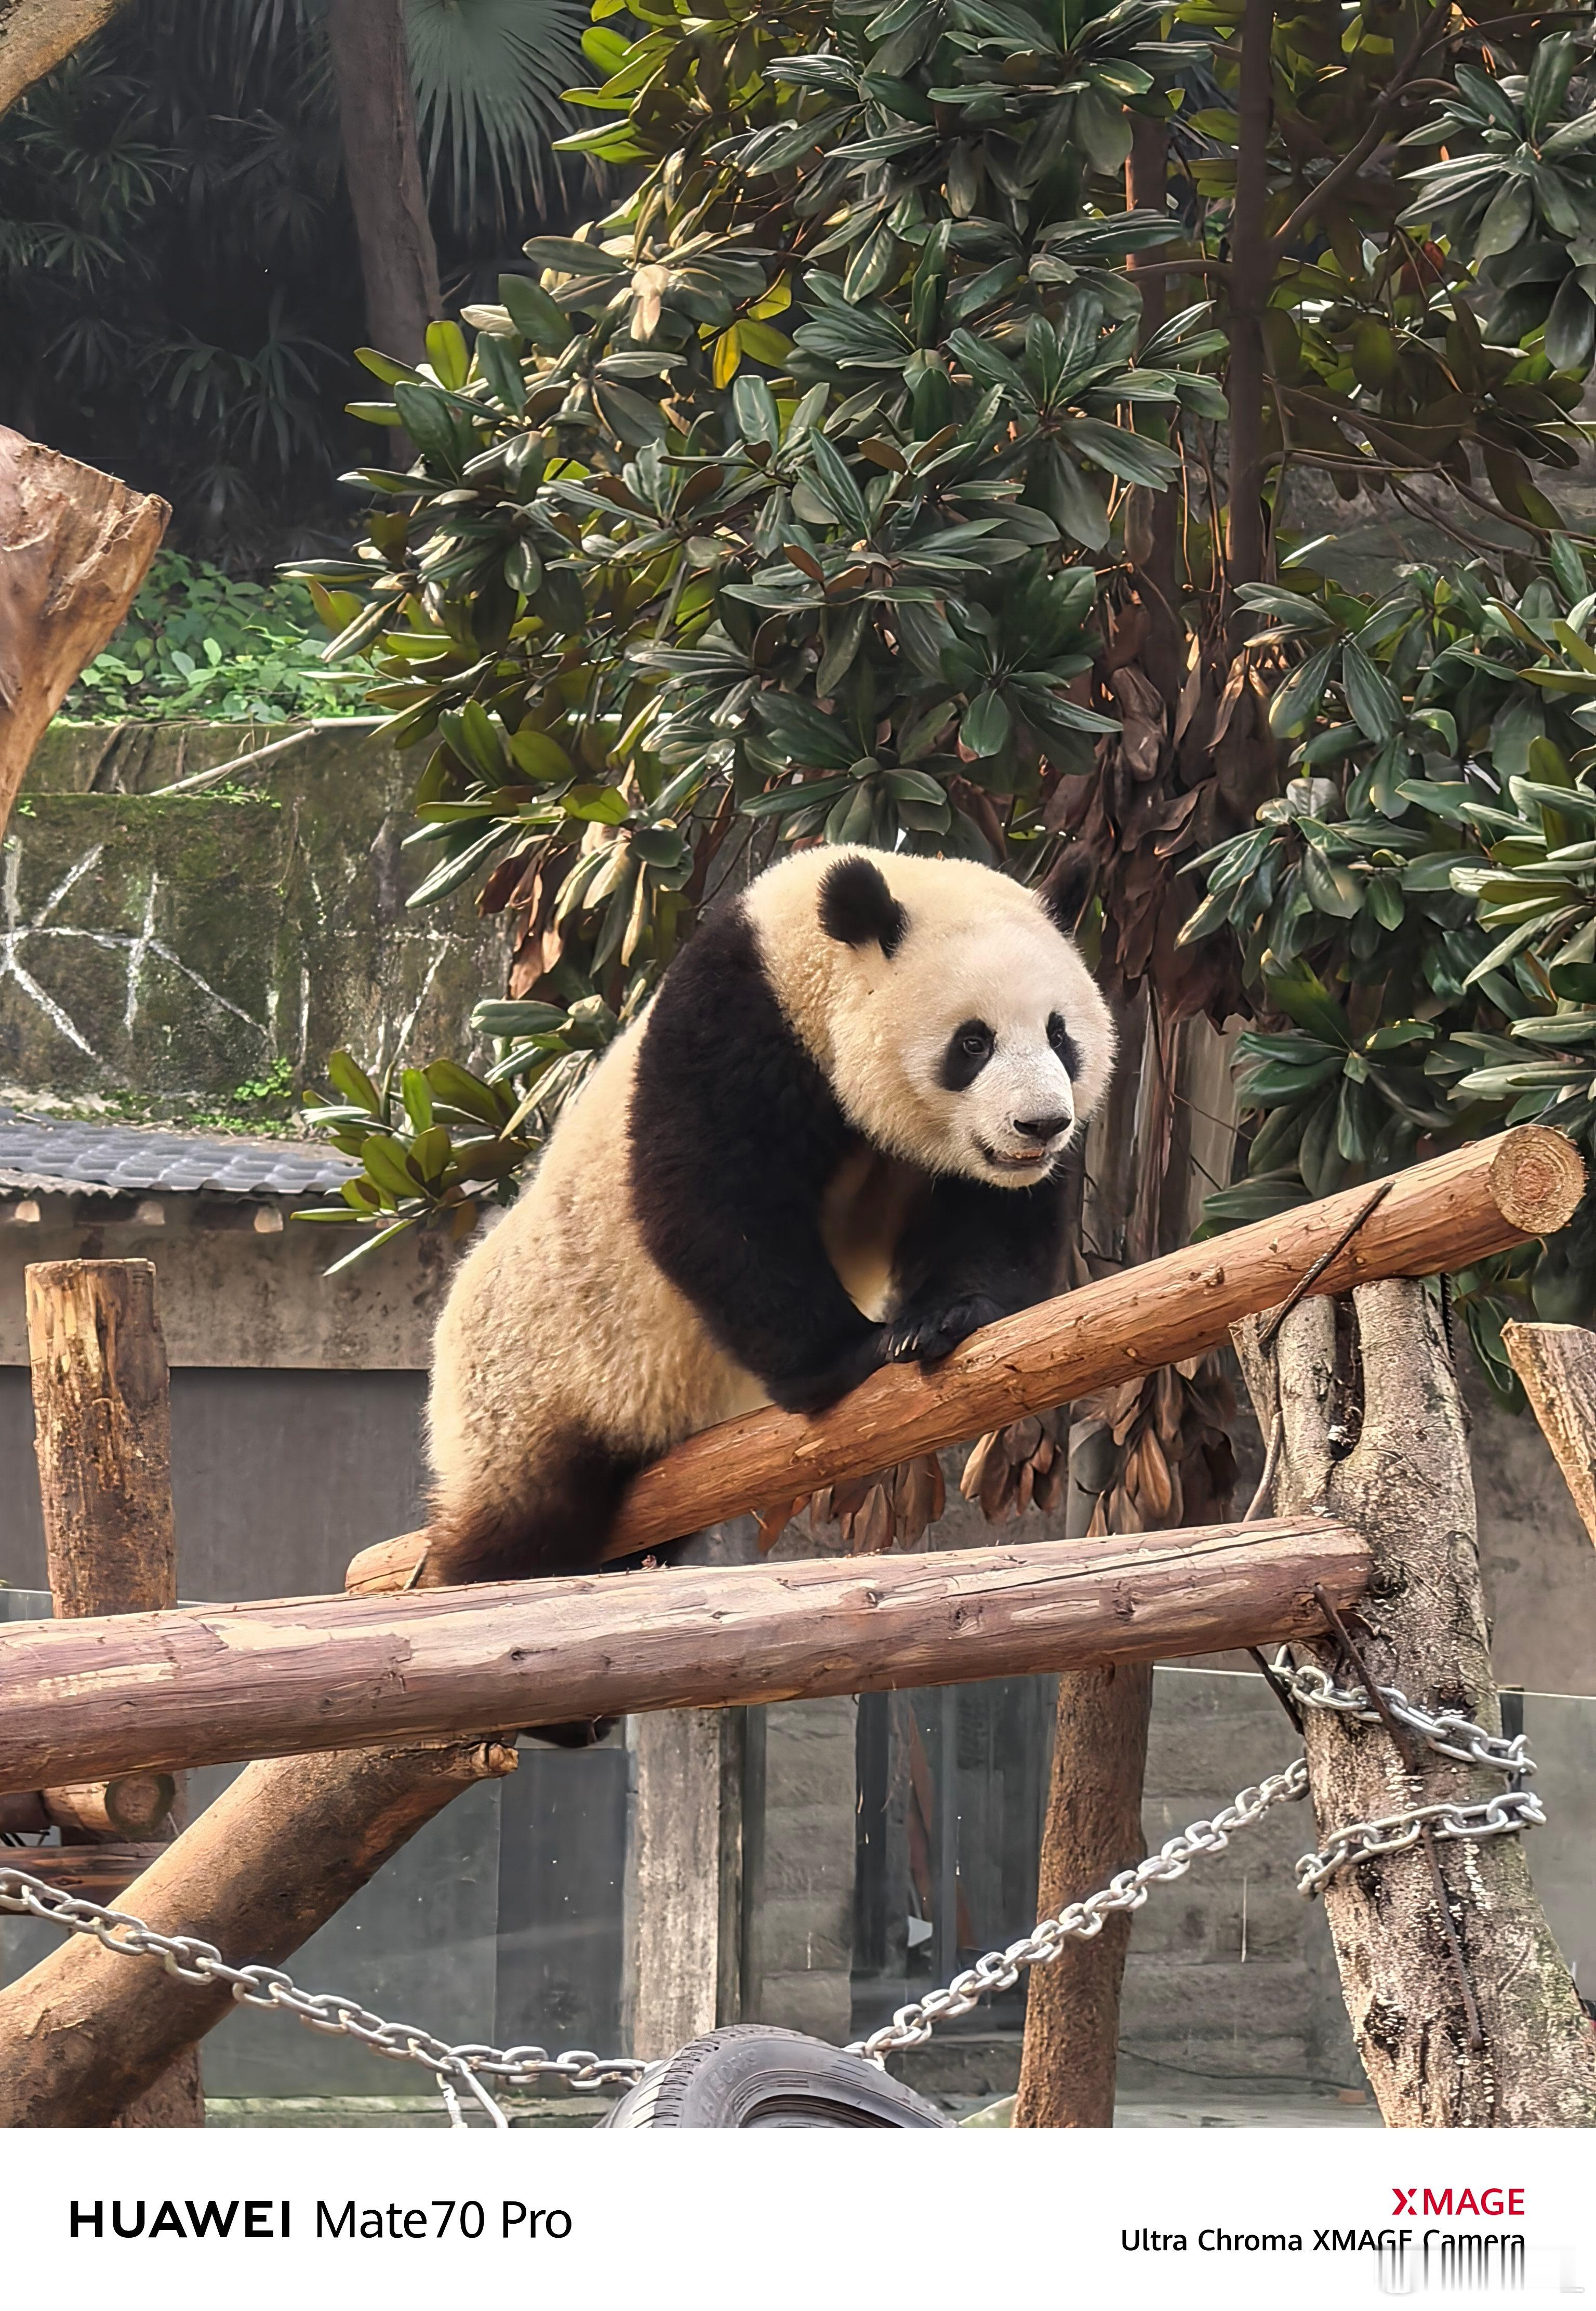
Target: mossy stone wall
(165, 950)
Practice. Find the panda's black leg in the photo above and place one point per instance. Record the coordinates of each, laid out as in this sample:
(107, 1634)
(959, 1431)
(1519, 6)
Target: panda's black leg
(973, 1255)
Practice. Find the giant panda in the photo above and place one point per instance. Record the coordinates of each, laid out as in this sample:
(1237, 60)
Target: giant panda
(831, 1142)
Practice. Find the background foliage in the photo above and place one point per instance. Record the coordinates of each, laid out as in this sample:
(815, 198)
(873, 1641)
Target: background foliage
(178, 281)
(857, 479)
(200, 645)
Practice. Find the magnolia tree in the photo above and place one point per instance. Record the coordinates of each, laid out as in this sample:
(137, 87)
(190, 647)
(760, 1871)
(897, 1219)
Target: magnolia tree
(927, 451)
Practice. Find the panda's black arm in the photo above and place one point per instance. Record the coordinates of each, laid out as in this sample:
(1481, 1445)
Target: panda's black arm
(974, 1254)
(735, 1135)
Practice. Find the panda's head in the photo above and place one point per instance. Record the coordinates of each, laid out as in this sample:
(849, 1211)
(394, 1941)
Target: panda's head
(956, 1023)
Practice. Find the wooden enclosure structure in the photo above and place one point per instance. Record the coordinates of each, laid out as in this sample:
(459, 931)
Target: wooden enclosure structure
(88, 2031)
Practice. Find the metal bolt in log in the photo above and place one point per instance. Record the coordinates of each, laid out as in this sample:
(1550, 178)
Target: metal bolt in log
(102, 1436)
(1464, 2013)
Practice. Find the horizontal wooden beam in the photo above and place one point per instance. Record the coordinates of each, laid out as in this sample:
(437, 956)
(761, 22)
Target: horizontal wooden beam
(87, 1699)
(1445, 1214)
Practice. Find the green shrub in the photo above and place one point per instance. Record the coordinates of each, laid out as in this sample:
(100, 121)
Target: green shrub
(198, 645)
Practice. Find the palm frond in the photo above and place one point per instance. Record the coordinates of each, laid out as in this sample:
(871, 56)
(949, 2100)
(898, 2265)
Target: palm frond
(489, 76)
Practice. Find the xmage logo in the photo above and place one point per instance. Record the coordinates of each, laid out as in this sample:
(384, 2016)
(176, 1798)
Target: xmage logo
(1493, 2199)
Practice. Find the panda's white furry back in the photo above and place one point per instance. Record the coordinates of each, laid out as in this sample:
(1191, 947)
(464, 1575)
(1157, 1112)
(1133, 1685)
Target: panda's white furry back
(832, 1141)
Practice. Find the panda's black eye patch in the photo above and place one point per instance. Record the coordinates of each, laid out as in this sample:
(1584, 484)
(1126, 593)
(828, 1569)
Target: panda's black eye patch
(968, 1048)
(1063, 1042)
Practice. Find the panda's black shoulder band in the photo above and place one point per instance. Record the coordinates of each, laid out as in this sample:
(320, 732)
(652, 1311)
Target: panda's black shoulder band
(856, 907)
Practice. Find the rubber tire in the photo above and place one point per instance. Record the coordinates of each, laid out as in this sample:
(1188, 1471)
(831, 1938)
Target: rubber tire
(749, 2075)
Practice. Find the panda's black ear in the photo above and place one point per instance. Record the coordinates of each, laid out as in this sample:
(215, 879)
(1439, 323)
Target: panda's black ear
(1067, 887)
(856, 907)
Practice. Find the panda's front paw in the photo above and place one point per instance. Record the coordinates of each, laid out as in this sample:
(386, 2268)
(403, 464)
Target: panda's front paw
(926, 1335)
(818, 1390)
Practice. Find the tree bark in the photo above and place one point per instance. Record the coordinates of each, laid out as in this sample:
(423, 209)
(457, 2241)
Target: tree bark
(74, 545)
(37, 35)
(1153, 517)
(1440, 1215)
(209, 1684)
(1464, 2011)
(382, 166)
(102, 1438)
(89, 2030)
(102, 1434)
(1251, 263)
(1093, 1830)
(1556, 1363)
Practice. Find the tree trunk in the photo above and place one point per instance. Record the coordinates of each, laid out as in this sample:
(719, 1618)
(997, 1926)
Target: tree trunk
(1251, 264)
(102, 1437)
(1093, 1830)
(1464, 2013)
(1153, 517)
(74, 545)
(37, 35)
(382, 165)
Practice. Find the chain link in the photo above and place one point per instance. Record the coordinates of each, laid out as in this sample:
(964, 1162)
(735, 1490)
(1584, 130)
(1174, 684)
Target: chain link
(912, 2025)
(1447, 1732)
(191, 1960)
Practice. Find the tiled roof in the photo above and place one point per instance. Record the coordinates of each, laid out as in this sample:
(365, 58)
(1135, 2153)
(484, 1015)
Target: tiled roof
(55, 1153)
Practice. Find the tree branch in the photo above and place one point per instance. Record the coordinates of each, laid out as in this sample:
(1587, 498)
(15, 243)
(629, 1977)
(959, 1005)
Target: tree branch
(1344, 170)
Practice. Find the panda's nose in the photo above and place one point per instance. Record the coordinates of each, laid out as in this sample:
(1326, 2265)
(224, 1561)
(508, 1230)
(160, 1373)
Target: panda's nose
(1041, 1127)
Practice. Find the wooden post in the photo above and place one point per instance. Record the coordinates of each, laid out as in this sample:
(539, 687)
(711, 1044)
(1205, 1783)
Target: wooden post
(1464, 2013)
(74, 545)
(102, 1434)
(1557, 1365)
(87, 1699)
(683, 1913)
(285, 1846)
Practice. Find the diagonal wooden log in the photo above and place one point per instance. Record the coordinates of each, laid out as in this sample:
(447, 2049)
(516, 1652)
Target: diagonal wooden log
(74, 545)
(1556, 1363)
(84, 1700)
(1441, 1215)
(1464, 2011)
(37, 35)
(87, 2031)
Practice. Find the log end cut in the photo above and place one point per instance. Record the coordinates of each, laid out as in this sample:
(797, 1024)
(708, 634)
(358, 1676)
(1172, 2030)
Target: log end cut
(1537, 1179)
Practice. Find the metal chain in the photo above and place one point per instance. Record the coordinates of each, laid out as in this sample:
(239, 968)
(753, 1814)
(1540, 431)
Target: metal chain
(191, 1960)
(1450, 1735)
(1447, 1732)
(912, 2025)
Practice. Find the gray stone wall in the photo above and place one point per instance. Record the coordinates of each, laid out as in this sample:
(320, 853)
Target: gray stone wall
(168, 948)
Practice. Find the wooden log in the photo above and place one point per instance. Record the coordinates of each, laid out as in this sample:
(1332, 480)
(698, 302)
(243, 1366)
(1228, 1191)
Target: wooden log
(102, 1438)
(1464, 2013)
(212, 1683)
(133, 1806)
(74, 545)
(102, 1434)
(1441, 1215)
(102, 1873)
(1557, 1365)
(37, 35)
(88, 2031)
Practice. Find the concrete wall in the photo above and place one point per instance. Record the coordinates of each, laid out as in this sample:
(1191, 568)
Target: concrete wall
(167, 949)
